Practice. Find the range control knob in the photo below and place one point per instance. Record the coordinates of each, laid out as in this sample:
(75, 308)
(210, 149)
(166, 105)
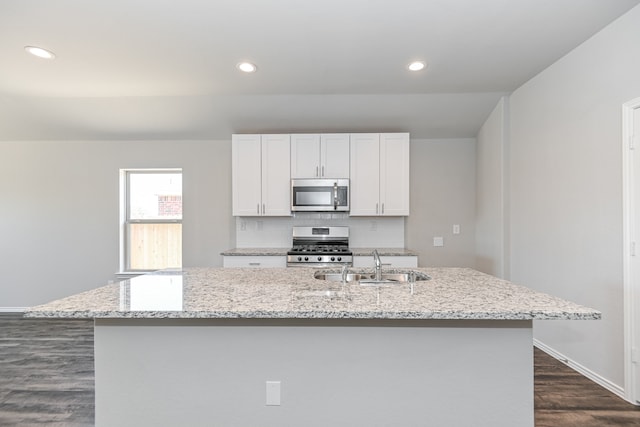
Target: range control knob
(339, 258)
(333, 258)
(319, 258)
(306, 258)
(299, 258)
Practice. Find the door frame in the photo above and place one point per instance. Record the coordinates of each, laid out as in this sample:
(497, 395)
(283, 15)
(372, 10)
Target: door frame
(631, 275)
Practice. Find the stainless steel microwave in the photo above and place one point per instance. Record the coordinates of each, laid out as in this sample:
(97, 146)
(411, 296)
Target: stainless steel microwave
(320, 195)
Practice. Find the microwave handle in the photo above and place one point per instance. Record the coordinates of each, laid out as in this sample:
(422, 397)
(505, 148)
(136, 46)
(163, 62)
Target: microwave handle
(335, 196)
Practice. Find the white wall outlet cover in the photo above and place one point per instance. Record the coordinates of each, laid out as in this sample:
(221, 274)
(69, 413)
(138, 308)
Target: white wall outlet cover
(438, 241)
(456, 228)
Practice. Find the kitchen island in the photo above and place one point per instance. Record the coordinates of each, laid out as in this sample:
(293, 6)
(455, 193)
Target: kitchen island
(277, 347)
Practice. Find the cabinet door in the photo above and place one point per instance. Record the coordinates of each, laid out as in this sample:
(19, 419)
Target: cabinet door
(364, 174)
(334, 155)
(276, 178)
(246, 175)
(394, 174)
(305, 156)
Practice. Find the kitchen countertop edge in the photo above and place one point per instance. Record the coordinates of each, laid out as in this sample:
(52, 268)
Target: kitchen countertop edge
(283, 252)
(243, 293)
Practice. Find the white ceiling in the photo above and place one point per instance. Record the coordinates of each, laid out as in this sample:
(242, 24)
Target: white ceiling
(165, 69)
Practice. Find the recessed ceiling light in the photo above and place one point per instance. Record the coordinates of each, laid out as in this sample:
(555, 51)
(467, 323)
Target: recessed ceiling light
(40, 52)
(247, 67)
(416, 66)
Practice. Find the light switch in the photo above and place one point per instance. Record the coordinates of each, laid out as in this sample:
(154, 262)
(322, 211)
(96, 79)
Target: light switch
(438, 241)
(273, 393)
(456, 228)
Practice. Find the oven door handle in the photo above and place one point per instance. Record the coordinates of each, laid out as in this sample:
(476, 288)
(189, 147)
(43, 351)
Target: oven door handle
(335, 196)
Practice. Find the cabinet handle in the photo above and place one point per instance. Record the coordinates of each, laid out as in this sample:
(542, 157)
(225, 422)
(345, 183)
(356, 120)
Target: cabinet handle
(258, 208)
(254, 263)
(376, 209)
(317, 171)
(322, 170)
(383, 209)
(263, 210)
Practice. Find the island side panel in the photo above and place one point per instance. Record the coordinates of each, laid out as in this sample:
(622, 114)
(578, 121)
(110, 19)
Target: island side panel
(332, 372)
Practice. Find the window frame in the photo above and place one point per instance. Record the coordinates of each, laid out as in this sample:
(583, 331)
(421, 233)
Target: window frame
(126, 221)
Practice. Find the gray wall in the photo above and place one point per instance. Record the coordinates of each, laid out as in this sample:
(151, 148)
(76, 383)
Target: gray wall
(565, 190)
(59, 211)
(442, 194)
(491, 250)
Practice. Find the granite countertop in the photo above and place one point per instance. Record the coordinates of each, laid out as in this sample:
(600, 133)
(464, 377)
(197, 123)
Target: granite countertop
(293, 293)
(256, 252)
(283, 252)
(383, 252)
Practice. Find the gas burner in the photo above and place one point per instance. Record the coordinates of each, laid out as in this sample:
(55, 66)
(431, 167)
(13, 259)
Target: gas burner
(319, 247)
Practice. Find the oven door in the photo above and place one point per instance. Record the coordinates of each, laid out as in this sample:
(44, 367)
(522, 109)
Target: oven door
(319, 195)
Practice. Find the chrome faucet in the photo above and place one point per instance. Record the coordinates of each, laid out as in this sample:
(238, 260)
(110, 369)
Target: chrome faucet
(378, 265)
(345, 273)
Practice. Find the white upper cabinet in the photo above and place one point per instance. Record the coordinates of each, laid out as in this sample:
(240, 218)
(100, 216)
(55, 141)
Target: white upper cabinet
(365, 174)
(260, 183)
(379, 174)
(377, 165)
(246, 175)
(320, 155)
(305, 156)
(334, 155)
(394, 174)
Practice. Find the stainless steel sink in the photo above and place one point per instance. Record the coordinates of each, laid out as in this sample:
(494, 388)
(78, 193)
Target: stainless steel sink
(337, 277)
(388, 277)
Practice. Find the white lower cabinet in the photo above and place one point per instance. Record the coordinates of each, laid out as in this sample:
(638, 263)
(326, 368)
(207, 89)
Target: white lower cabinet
(393, 261)
(258, 261)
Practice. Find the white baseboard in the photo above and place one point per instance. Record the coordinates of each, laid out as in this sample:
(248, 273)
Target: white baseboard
(12, 309)
(613, 388)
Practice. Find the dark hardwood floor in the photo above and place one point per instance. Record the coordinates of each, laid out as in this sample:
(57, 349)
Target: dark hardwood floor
(46, 378)
(565, 398)
(46, 372)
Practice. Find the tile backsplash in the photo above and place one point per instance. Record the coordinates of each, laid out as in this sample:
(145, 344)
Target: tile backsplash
(275, 232)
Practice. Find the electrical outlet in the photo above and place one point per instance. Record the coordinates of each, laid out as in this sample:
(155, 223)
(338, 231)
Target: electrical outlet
(243, 225)
(438, 241)
(456, 228)
(374, 225)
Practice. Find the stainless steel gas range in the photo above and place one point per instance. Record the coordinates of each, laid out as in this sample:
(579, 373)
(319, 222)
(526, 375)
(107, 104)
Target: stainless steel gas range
(320, 247)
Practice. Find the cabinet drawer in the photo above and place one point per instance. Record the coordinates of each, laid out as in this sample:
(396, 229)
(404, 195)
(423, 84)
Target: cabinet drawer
(387, 261)
(254, 261)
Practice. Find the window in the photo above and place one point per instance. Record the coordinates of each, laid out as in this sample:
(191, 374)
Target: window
(151, 212)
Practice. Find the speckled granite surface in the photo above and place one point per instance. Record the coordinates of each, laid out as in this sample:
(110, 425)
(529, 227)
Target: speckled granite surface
(452, 293)
(256, 252)
(383, 252)
(283, 252)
